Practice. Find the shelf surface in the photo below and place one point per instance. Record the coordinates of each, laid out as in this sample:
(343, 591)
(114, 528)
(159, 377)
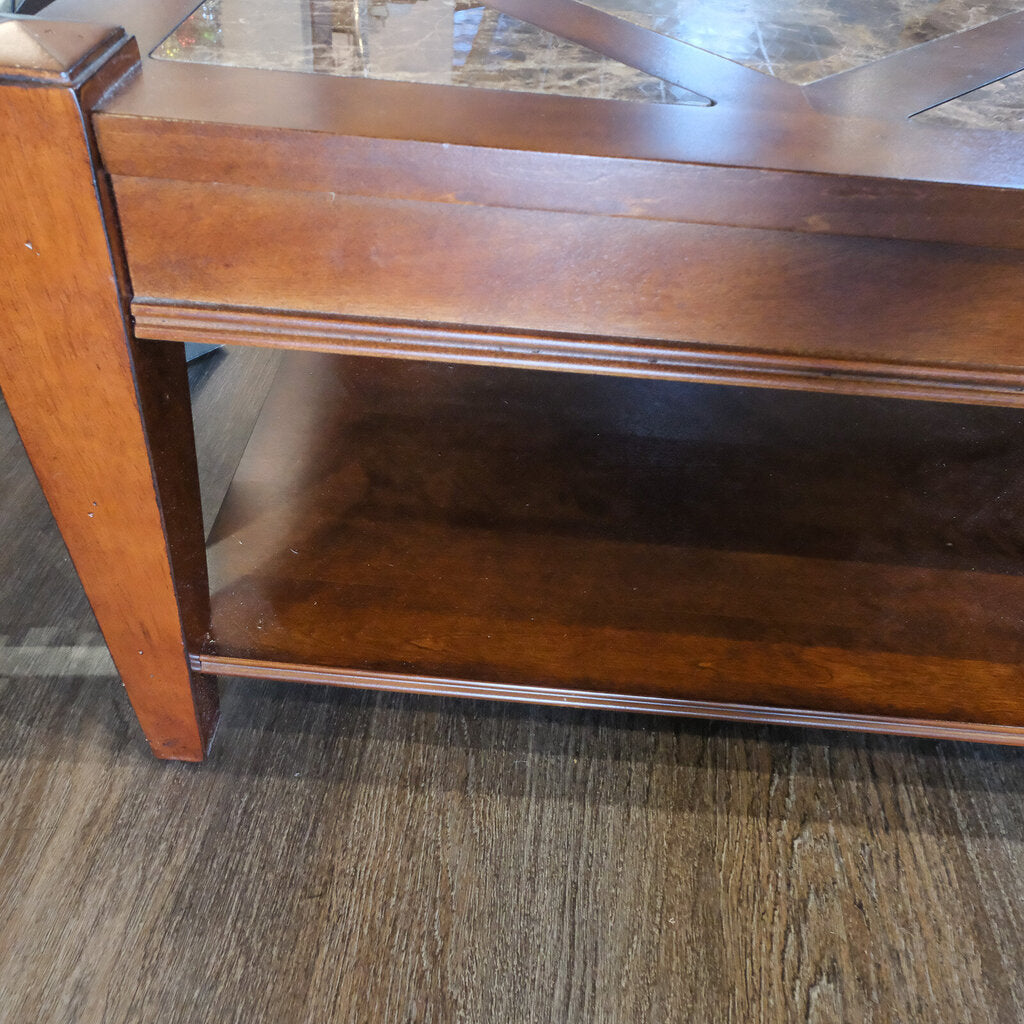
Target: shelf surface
(624, 536)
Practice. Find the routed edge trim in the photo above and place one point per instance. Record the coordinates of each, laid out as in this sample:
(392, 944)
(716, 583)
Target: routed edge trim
(321, 332)
(970, 732)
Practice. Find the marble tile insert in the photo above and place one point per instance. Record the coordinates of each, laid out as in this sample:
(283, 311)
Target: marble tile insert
(462, 42)
(804, 40)
(442, 42)
(999, 106)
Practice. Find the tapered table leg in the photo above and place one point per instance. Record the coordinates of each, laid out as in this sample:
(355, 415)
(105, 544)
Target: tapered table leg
(105, 419)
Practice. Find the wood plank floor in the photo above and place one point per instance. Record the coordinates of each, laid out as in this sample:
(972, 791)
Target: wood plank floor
(359, 857)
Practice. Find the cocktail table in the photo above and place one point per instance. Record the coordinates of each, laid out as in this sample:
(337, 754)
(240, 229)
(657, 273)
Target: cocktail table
(519, 249)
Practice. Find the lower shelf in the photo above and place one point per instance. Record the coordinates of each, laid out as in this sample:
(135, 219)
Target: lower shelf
(627, 543)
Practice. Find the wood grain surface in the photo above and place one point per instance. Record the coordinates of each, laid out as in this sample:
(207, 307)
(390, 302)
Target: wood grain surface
(783, 137)
(568, 182)
(648, 293)
(615, 536)
(357, 858)
(107, 421)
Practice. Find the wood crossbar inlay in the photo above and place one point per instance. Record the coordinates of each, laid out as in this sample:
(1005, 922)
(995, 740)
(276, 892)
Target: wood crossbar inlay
(718, 78)
(924, 76)
(891, 88)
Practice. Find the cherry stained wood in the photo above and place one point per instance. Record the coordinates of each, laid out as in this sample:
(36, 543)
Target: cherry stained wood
(649, 293)
(737, 133)
(772, 140)
(361, 853)
(569, 353)
(841, 312)
(734, 134)
(301, 160)
(105, 421)
(470, 530)
(781, 137)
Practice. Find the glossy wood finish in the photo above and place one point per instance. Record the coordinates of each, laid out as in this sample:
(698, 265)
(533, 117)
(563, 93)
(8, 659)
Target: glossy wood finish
(773, 305)
(734, 133)
(785, 237)
(571, 353)
(106, 421)
(309, 161)
(365, 852)
(607, 262)
(632, 544)
(218, 98)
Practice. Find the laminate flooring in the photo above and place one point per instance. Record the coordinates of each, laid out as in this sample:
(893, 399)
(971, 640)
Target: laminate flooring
(363, 857)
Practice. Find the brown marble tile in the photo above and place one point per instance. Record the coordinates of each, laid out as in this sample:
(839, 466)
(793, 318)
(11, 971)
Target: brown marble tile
(999, 106)
(438, 42)
(805, 40)
(454, 42)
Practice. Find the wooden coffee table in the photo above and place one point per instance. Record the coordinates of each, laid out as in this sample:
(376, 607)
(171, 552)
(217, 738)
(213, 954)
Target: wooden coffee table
(517, 250)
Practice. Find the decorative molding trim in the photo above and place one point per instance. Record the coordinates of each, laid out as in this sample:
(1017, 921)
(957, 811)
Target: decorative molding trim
(248, 669)
(566, 353)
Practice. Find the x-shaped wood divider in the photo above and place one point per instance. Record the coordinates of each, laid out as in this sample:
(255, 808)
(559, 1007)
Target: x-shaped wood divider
(893, 87)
